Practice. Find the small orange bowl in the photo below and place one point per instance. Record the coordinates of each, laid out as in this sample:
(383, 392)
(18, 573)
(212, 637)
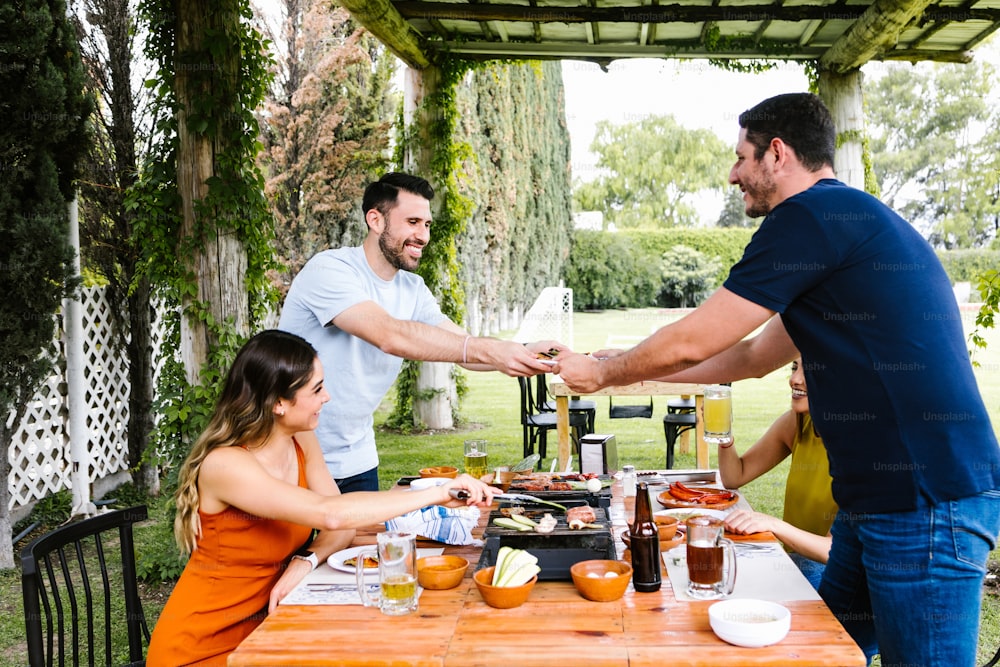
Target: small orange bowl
(438, 573)
(451, 472)
(601, 580)
(666, 525)
(501, 597)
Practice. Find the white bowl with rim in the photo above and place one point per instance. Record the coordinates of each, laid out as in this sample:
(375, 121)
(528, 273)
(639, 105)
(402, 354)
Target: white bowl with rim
(422, 483)
(749, 623)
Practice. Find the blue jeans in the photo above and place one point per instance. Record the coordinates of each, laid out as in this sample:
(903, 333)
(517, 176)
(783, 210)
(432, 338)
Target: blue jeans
(812, 570)
(364, 481)
(909, 584)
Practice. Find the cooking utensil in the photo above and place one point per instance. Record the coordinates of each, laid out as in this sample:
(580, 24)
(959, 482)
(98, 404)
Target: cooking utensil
(462, 494)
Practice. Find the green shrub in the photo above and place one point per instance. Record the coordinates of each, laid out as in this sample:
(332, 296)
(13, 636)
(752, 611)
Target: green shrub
(606, 270)
(726, 244)
(968, 265)
(688, 277)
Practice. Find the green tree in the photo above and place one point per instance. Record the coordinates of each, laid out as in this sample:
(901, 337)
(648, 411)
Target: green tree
(109, 43)
(654, 167)
(933, 133)
(43, 134)
(688, 277)
(734, 211)
(325, 131)
(609, 271)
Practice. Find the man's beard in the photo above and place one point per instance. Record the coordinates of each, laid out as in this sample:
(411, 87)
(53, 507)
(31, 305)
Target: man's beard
(396, 256)
(760, 190)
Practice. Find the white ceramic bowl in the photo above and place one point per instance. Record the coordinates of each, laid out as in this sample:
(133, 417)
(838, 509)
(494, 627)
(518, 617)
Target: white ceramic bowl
(749, 623)
(422, 483)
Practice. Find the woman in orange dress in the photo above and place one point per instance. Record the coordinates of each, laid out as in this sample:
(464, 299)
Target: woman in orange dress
(249, 494)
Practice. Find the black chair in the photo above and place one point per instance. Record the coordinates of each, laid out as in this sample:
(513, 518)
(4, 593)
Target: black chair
(675, 423)
(629, 411)
(536, 425)
(74, 581)
(543, 403)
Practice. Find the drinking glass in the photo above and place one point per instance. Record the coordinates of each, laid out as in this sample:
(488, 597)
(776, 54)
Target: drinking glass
(397, 574)
(709, 575)
(476, 460)
(718, 414)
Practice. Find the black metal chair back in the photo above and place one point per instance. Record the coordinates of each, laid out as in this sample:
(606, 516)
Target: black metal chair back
(79, 586)
(536, 425)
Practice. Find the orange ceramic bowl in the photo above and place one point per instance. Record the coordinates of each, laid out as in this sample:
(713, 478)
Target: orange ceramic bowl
(666, 525)
(601, 580)
(438, 573)
(451, 472)
(501, 597)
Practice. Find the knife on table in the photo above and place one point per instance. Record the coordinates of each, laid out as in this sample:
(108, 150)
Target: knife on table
(462, 494)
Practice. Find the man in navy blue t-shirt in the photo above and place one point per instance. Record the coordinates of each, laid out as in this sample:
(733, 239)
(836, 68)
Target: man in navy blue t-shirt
(914, 459)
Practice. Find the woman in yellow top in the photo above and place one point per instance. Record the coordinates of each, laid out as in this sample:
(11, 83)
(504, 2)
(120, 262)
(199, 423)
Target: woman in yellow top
(809, 505)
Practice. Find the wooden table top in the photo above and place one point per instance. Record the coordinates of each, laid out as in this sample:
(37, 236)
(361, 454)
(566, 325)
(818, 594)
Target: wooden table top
(555, 626)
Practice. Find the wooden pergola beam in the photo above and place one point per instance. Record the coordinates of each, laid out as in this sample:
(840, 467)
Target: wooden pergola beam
(412, 9)
(873, 34)
(382, 20)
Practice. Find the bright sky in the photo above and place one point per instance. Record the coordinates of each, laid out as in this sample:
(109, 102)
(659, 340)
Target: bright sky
(697, 94)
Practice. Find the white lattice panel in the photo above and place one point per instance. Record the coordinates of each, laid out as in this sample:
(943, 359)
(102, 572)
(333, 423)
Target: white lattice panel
(107, 388)
(550, 317)
(39, 452)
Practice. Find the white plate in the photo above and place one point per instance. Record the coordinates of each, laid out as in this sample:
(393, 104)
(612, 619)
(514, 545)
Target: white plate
(336, 561)
(684, 513)
(427, 482)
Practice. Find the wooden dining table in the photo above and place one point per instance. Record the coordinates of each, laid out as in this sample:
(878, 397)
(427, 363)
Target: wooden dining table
(562, 393)
(555, 626)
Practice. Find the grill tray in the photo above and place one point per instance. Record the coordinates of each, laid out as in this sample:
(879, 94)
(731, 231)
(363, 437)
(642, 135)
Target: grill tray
(556, 551)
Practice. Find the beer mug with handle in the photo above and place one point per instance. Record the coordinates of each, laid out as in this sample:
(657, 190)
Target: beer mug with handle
(397, 574)
(711, 559)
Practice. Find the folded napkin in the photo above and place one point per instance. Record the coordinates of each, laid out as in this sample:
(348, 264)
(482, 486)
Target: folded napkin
(444, 524)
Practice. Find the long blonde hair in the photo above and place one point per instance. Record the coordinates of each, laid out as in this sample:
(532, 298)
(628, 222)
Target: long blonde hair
(272, 365)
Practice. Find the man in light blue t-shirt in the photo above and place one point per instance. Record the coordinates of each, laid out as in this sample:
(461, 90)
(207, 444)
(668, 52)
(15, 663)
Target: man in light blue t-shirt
(364, 311)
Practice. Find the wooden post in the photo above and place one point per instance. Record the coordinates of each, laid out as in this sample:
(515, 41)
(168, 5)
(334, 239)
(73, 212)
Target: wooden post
(219, 260)
(436, 392)
(842, 95)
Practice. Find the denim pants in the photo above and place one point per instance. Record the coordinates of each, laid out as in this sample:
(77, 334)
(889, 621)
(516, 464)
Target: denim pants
(363, 481)
(908, 585)
(810, 569)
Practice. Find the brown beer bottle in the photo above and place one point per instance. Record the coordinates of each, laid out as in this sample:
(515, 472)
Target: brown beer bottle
(645, 544)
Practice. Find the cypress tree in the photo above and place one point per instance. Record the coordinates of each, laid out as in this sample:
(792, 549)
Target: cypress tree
(43, 115)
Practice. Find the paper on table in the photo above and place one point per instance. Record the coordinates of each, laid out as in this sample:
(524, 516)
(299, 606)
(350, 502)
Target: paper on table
(763, 572)
(324, 585)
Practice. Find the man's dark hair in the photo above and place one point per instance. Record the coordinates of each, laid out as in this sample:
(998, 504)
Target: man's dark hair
(801, 120)
(381, 195)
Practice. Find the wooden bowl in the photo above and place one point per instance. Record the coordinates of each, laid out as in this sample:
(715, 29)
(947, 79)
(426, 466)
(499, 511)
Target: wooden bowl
(601, 580)
(665, 544)
(666, 525)
(451, 472)
(501, 597)
(438, 573)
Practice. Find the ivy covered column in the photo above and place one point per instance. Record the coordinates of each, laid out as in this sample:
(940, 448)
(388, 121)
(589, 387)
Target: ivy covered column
(842, 95)
(432, 389)
(208, 80)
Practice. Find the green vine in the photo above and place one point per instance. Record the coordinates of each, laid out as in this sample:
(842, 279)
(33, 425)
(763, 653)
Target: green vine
(715, 41)
(221, 109)
(439, 264)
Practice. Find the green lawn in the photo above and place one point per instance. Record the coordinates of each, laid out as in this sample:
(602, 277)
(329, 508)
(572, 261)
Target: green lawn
(490, 411)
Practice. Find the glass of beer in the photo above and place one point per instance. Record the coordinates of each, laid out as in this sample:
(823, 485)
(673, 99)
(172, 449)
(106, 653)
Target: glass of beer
(707, 553)
(397, 574)
(718, 414)
(476, 460)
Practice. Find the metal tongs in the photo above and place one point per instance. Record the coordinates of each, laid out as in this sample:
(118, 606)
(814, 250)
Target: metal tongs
(462, 494)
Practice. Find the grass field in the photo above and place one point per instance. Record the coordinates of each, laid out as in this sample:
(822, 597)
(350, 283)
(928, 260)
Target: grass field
(490, 412)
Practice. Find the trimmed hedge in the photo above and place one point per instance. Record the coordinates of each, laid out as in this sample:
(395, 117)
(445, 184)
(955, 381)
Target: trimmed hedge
(622, 269)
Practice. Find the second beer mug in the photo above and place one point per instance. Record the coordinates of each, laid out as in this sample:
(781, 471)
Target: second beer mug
(397, 574)
(711, 559)
(718, 414)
